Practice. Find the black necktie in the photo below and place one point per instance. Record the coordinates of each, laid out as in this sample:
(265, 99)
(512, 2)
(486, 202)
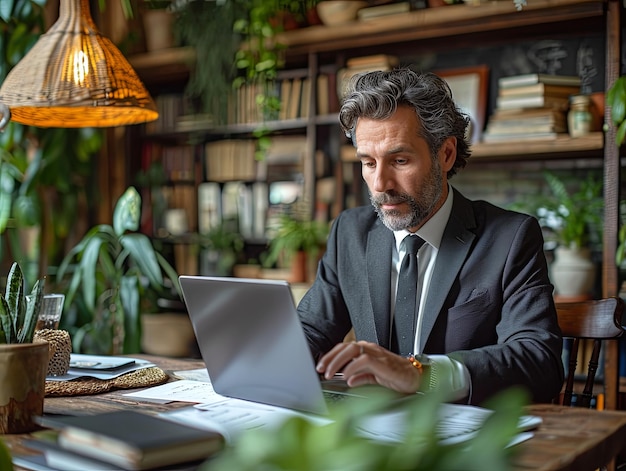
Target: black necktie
(406, 306)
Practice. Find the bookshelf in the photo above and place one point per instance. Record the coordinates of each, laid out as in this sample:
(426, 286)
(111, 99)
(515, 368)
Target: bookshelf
(323, 50)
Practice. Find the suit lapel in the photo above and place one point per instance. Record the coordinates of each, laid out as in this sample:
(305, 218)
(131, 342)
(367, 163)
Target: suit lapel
(379, 245)
(455, 244)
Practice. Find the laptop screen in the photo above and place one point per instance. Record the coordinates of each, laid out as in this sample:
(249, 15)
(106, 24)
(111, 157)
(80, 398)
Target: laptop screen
(252, 342)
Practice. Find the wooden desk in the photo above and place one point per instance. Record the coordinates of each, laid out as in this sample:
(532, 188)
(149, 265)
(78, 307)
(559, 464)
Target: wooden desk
(569, 438)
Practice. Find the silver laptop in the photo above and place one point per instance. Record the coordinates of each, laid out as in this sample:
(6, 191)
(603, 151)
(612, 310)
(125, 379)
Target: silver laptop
(252, 342)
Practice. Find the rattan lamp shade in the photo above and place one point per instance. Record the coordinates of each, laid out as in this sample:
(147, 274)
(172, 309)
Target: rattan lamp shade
(74, 77)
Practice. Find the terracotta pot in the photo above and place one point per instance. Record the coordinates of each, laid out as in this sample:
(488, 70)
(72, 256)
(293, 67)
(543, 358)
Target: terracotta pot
(22, 385)
(299, 267)
(158, 29)
(597, 110)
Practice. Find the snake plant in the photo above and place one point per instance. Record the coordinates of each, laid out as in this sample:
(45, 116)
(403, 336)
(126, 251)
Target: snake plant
(19, 312)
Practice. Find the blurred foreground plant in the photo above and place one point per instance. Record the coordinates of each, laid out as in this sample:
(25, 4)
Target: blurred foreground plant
(304, 444)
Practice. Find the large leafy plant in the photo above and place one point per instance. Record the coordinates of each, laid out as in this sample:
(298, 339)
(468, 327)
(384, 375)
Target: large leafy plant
(573, 210)
(106, 272)
(19, 313)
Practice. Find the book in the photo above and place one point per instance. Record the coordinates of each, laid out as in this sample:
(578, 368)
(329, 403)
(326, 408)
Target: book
(515, 102)
(285, 95)
(543, 136)
(323, 98)
(305, 98)
(55, 458)
(132, 440)
(495, 130)
(32, 463)
(375, 62)
(527, 113)
(524, 125)
(369, 13)
(293, 106)
(543, 89)
(531, 79)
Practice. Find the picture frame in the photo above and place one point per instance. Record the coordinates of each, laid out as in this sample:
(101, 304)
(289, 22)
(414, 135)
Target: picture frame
(469, 87)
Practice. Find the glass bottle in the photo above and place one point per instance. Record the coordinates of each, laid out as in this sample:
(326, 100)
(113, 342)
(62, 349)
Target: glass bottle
(579, 117)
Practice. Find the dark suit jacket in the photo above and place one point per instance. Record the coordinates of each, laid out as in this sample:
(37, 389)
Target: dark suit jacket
(490, 303)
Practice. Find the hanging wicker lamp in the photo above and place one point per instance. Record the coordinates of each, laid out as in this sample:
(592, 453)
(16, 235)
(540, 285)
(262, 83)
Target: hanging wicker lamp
(74, 77)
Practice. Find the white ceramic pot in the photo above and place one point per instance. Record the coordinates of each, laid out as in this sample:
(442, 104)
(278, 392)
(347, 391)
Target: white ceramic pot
(572, 272)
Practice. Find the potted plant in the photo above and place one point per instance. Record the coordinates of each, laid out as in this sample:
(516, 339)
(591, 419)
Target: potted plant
(103, 274)
(247, 54)
(23, 362)
(158, 24)
(572, 215)
(297, 244)
(221, 248)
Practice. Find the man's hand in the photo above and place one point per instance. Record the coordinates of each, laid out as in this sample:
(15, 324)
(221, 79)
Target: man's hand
(368, 363)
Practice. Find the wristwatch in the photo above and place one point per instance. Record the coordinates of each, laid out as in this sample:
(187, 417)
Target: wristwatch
(428, 371)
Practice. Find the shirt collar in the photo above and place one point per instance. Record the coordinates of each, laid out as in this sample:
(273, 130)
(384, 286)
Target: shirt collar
(432, 230)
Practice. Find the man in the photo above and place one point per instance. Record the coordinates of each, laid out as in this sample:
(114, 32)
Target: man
(485, 319)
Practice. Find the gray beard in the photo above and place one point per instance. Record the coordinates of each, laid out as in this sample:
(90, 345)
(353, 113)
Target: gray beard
(420, 208)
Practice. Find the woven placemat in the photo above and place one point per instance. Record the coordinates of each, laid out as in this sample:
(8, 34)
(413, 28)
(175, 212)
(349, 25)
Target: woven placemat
(151, 376)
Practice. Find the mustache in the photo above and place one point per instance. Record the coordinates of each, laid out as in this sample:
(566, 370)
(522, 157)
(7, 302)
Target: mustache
(390, 198)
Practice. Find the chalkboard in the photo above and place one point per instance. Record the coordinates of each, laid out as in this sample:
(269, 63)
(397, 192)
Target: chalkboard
(584, 57)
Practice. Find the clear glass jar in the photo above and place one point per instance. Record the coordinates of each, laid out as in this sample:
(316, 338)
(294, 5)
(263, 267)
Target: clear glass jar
(579, 117)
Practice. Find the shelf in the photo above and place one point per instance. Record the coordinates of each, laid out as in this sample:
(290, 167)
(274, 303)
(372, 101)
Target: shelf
(439, 22)
(164, 66)
(562, 146)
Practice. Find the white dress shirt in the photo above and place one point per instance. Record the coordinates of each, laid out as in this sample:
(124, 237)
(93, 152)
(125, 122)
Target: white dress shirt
(452, 376)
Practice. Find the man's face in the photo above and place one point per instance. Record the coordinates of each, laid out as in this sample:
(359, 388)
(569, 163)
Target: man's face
(407, 186)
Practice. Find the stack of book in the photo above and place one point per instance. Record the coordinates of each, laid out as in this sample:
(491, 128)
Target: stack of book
(122, 440)
(360, 64)
(531, 106)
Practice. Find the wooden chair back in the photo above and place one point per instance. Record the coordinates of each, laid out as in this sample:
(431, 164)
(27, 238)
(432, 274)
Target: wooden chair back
(598, 321)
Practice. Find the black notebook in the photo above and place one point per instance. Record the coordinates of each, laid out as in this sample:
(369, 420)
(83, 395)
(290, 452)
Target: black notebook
(133, 440)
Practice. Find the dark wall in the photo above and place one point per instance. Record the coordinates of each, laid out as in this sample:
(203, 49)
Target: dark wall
(584, 57)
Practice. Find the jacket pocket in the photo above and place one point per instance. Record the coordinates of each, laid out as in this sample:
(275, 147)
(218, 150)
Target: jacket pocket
(471, 324)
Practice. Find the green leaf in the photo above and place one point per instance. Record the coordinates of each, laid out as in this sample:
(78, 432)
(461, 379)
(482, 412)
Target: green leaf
(620, 134)
(7, 185)
(26, 210)
(129, 294)
(14, 295)
(6, 8)
(88, 268)
(33, 307)
(140, 249)
(6, 323)
(6, 462)
(127, 213)
(171, 273)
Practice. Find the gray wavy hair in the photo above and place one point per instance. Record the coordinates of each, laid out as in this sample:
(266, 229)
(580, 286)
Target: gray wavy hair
(377, 95)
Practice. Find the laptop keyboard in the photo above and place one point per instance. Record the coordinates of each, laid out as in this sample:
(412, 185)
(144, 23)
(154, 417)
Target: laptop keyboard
(334, 397)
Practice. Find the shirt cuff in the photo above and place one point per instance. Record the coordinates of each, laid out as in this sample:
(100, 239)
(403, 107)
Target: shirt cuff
(450, 377)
